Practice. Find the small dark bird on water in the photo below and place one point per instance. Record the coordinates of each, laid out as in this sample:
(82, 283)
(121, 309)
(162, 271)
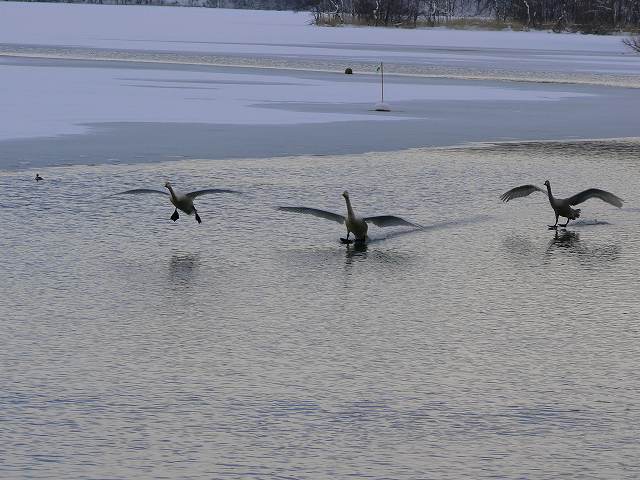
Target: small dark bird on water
(38, 177)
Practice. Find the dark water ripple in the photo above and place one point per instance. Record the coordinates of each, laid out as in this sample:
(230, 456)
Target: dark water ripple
(256, 346)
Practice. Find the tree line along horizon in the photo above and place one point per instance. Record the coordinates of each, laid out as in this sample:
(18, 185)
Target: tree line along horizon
(586, 16)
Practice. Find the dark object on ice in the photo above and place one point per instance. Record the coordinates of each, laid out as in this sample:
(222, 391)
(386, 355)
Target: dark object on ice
(348, 71)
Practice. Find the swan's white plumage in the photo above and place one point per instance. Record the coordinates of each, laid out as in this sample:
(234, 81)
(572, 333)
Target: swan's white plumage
(356, 225)
(182, 202)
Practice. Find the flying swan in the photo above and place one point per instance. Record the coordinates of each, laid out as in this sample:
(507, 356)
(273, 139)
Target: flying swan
(184, 203)
(562, 206)
(356, 225)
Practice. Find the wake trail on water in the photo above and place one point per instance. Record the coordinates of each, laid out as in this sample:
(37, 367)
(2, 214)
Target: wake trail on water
(433, 227)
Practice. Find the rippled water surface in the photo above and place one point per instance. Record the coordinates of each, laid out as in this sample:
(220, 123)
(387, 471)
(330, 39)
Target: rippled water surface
(255, 345)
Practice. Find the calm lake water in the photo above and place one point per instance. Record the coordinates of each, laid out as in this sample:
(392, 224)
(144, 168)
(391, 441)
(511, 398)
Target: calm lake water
(255, 345)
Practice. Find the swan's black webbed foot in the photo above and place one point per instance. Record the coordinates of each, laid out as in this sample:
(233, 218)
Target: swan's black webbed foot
(346, 241)
(553, 227)
(198, 218)
(175, 215)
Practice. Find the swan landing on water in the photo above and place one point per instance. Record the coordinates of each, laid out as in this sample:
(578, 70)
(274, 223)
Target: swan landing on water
(356, 225)
(184, 203)
(562, 206)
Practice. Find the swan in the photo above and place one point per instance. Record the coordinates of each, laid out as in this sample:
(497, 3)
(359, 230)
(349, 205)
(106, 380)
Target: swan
(562, 206)
(356, 225)
(184, 203)
(38, 177)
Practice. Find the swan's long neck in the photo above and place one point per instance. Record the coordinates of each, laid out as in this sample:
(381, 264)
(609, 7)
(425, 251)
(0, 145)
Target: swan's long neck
(350, 213)
(551, 199)
(173, 194)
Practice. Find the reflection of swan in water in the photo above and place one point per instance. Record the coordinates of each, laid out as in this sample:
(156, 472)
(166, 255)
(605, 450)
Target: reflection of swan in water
(182, 268)
(356, 225)
(354, 252)
(562, 206)
(564, 243)
(570, 242)
(564, 239)
(356, 249)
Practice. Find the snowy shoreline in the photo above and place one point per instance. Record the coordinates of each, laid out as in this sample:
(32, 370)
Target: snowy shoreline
(129, 84)
(246, 31)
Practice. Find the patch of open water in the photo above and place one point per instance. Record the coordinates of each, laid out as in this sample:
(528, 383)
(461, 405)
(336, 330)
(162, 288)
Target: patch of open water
(255, 345)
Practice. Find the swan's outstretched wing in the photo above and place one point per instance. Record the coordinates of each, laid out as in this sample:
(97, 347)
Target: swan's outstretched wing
(595, 193)
(521, 191)
(389, 221)
(315, 212)
(197, 193)
(143, 190)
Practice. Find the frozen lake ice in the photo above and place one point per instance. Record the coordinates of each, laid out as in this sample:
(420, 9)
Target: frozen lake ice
(92, 112)
(238, 35)
(122, 86)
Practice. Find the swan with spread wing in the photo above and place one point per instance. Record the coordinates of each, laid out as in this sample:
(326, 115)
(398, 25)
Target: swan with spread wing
(181, 202)
(562, 206)
(356, 225)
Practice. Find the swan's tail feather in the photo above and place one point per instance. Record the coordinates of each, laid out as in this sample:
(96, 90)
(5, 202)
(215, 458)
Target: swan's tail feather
(575, 213)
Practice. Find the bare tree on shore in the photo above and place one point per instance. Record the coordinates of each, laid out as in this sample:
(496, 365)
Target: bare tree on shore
(633, 43)
(589, 16)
